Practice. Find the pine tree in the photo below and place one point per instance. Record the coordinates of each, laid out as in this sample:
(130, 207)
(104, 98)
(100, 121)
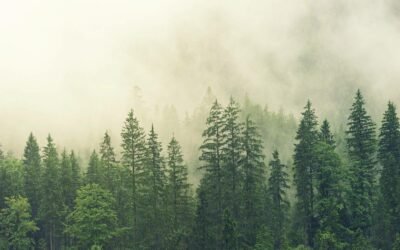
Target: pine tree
(278, 185)
(211, 159)
(76, 173)
(253, 179)
(361, 145)
(200, 236)
(108, 161)
(304, 161)
(133, 155)
(32, 173)
(329, 204)
(231, 155)
(230, 235)
(95, 173)
(389, 157)
(179, 193)
(52, 203)
(66, 180)
(154, 192)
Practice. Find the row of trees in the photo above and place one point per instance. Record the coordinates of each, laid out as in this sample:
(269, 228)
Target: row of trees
(144, 200)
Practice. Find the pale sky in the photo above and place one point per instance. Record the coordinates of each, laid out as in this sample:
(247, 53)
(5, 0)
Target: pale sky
(69, 67)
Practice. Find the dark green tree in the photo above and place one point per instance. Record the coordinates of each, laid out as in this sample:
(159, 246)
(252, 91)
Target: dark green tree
(179, 199)
(389, 157)
(304, 162)
(231, 155)
(211, 160)
(95, 173)
(108, 161)
(51, 205)
(200, 236)
(32, 173)
(76, 174)
(229, 234)
(154, 193)
(277, 187)
(361, 145)
(254, 178)
(133, 157)
(329, 204)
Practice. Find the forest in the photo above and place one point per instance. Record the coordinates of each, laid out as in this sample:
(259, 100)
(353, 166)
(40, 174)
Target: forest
(333, 191)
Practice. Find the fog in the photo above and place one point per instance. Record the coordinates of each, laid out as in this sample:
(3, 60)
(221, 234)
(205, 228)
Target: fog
(74, 68)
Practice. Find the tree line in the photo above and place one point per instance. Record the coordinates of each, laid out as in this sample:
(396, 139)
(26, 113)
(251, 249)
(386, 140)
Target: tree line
(144, 200)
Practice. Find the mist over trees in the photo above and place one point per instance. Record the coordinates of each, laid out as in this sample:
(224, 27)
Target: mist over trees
(243, 178)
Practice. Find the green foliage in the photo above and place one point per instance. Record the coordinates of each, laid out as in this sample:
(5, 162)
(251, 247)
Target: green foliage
(32, 165)
(229, 234)
(179, 196)
(361, 144)
(133, 157)
(93, 220)
(389, 157)
(265, 239)
(16, 224)
(277, 187)
(253, 167)
(304, 161)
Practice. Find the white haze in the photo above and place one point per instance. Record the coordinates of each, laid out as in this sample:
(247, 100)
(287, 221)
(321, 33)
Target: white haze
(69, 67)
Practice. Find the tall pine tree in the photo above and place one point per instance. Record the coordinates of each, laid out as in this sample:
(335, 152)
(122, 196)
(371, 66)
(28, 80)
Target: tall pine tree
(253, 180)
(179, 199)
(211, 158)
(361, 145)
(154, 193)
(278, 186)
(304, 161)
(133, 155)
(51, 203)
(389, 157)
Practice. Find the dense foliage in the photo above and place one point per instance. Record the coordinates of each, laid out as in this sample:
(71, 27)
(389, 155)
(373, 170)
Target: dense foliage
(309, 195)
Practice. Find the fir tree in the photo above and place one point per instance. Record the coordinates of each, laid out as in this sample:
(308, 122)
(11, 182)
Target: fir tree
(75, 173)
(52, 203)
(304, 161)
(278, 185)
(230, 236)
(154, 191)
(200, 237)
(329, 204)
(179, 192)
(389, 157)
(361, 145)
(211, 159)
(253, 179)
(108, 161)
(95, 172)
(133, 155)
(66, 180)
(32, 173)
(231, 155)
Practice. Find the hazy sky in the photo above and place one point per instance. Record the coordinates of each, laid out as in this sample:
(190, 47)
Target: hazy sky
(69, 67)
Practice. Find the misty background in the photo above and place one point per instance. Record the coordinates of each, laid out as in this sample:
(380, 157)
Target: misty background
(75, 68)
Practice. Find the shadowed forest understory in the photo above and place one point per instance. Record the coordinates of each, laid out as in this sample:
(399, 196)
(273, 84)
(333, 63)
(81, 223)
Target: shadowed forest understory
(256, 180)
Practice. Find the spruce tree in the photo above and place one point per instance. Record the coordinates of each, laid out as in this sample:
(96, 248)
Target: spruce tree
(211, 159)
(201, 233)
(32, 167)
(252, 193)
(75, 172)
(95, 173)
(304, 162)
(133, 155)
(329, 204)
(51, 203)
(108, 161)
(66, 180)
(231, 155)
(278, 186)
(361, 146)
(179, 199)
(389, 157)
(154, 192)
(230, 235)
